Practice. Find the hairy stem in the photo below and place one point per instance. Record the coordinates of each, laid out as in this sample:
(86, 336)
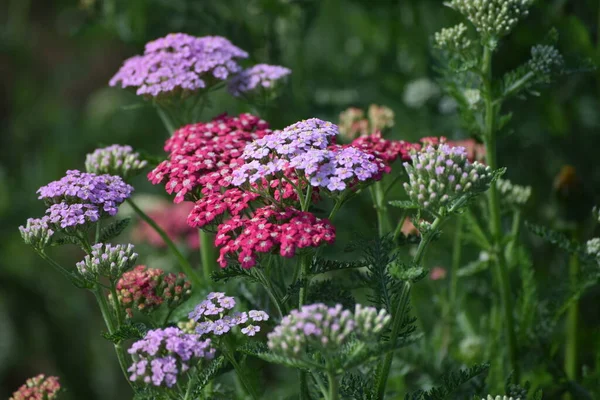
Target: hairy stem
(207, 255)
(183, 262)
(456, 255)
(378, 196)
(501, 269)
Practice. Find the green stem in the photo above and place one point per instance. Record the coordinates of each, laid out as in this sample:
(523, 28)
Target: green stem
(183, 262)
(572, 322)
(398, 230)
(207, 255)
(104, 309)
(74, 279)
(240, 373)
(456, 255)
(301, 301)
(266, 283)
(402, 308)
(333, 385)
(166, 120)
(502, 276)
(514, 233)
(118, 312)
(190, 386)
(378, 196)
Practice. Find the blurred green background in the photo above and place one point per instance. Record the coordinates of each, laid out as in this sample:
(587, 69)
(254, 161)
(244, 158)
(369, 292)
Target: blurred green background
(55, 105)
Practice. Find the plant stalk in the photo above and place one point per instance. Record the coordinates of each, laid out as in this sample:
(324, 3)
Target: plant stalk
(304, 260)
(572, 322)
(207, 255)
(502, 276)
(333, 385)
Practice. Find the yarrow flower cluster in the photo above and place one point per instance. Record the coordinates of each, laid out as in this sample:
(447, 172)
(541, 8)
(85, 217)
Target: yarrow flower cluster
(493, 18)
(384, 149)
(442, 173)
(513, 195)
(172, 219)
(163, 355)
(592, 247)
(200, 149)
(146, 289)
(36, 232)
(80, 198)
(115, 160)
(211, 208)
(418, 92)
(39, 387)
(179, 63)
(212, 316)
(545, 60)
(268, 231)
(260, 76)
(352, 121)
(306, 146)
(453, 39)
(324, 329)
(490, 397)
(108, 261)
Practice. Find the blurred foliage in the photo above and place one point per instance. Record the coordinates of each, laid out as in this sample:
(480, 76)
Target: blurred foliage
(56, 59)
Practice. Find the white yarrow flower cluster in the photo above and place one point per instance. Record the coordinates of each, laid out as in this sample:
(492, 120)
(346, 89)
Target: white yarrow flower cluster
(453, 39)
(490, 397)
(492, 18)
(511, 194)
(545, 59)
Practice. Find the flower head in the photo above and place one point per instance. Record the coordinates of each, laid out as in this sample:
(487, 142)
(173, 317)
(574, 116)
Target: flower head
(545, 60)
(269, 231)
(106, 192)
(384, 149)
(179, 63)
(115, 160)
(64, 215)
(108, 261)
(440, 174)
(146, 289)
(163, 355)
(352, 123)
(490, 397)
(40, 387)
(454, 39)
(36, 232)
(260, 76)
(511, 194)
(214, 316)
(325, 329)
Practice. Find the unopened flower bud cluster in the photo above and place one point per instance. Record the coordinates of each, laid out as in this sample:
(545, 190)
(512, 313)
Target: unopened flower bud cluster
(440, 174)
(213, 317)
(115, 160)
(511, 194)
(453, 39)
(108, 261)
(494, 18)
(490, 397)
(545, 60)
(325, 329)
(36, 232)
(592, 247)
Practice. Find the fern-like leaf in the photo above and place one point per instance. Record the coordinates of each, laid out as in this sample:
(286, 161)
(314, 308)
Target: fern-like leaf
(113, 230)
(126, 332)
(450, 383)
(322, 265)
(206, 374)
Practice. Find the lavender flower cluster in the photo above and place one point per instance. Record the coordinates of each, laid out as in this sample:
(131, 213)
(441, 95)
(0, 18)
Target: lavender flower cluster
(108, 261)
(440, 174)
(305, 146)
(163, 355)
(325, 329)
(79, 198)
(36, 232)
(115, 160)
(211, 316)
(261, 76)
(179, 62)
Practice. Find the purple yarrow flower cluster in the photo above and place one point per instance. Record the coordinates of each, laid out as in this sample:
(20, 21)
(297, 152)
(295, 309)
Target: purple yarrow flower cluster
(36, 232)
(440, 174)
(115, 160)
(262, 76)
(213, 316)
(179, 62)
(325, 329)
(163, 355)
(67, 215)
(108, 261)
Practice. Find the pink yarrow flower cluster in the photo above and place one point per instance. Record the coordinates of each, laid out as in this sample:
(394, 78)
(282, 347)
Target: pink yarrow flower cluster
(384, 149)
(172, 218)
(146, 289)
(271, 230)
(214, 317)
(39, 387)
(200, 149)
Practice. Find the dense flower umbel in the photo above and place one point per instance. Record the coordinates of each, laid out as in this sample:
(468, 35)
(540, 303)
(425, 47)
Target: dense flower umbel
(179, 63)
(545, 60)
(325, 329)
(115, 160)
(271, 230)
(211, 208)
(108, 261)
(492, 18)
(440, 174)
(146, 289)
(213, 316)
(261, 76)
(104, 191)
(36, 232)
(66, 215)
(172, 219)
(38, 388)
(352, 122)
(511, 194)
(384, 149)
(165, 354)
(200, 149)
(454, 39)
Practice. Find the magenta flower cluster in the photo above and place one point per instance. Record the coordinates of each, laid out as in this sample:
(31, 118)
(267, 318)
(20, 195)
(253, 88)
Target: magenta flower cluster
(79, 198)
(213, 318)
(307, 146)
(325, 329)
(179, 62)
(261, 76)
(163, 355)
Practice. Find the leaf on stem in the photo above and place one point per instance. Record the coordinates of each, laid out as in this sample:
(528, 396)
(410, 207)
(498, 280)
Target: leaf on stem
(113, 230)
